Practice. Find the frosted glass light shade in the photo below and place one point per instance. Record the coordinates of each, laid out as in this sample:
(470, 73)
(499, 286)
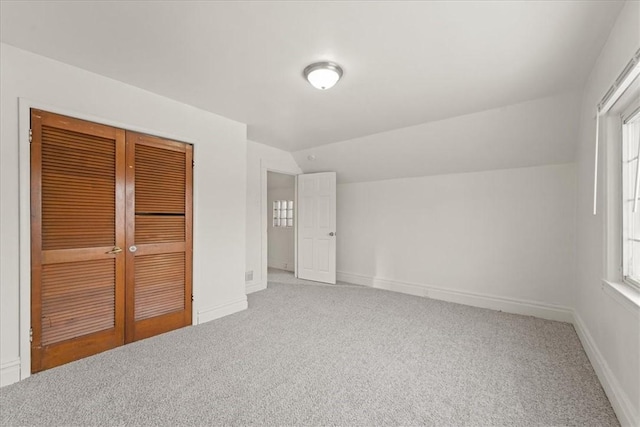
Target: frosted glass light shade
(323, 75)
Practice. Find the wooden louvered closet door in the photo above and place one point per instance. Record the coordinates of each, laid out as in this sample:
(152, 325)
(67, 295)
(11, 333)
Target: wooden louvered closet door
(77, 226)
(111, 237)
(159, 236)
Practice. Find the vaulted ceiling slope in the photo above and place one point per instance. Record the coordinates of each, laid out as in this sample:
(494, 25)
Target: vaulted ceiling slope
(405, 63)
(533, 133)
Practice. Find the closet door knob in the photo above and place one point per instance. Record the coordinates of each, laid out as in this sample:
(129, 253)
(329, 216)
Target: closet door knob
(115, 250)
(132, 249)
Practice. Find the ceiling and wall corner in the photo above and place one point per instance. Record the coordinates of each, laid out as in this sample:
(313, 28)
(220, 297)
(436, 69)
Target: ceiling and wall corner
(405, 63)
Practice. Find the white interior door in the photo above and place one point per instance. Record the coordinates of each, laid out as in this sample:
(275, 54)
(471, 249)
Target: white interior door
(317, 227)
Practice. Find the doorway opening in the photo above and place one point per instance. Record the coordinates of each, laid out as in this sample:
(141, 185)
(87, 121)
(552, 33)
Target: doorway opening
(281, 222)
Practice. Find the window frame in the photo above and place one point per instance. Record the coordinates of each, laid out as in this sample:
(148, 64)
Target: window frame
(631, 113)
(611, 127)
(276, 221)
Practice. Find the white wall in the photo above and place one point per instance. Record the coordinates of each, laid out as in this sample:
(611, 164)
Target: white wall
(506, 235)
(280, 239)
(219, 184)
(609, 327)
(260, 159)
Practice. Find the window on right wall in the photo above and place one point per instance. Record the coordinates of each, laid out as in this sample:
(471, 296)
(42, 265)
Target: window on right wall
(631, 197)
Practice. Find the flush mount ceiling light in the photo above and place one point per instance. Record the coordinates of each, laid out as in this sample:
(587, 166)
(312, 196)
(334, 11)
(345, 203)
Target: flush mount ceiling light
(323, 75)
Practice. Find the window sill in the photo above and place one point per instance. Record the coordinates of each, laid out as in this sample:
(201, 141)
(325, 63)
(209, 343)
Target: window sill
(623, 293)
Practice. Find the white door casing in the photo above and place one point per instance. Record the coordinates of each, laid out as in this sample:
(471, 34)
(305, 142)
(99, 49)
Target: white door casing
(317, 227)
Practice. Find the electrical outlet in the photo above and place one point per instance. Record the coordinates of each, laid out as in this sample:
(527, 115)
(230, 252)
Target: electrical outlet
(248, 276)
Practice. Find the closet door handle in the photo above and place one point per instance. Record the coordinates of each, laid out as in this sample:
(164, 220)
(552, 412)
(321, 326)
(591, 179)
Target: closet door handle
(115, 250)
(132, 249)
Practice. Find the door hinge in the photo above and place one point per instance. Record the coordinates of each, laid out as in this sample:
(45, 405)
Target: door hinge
(30, 135)
(30, 334)
(191, 297)
(193, 163)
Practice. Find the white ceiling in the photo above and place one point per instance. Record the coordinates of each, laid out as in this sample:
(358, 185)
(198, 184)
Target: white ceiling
(405, 63)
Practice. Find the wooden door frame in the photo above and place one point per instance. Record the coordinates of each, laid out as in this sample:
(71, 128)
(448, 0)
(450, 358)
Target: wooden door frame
(24, 255)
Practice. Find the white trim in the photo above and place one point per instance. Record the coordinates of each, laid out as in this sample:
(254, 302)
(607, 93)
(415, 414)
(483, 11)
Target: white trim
(255, 287)
(222, 310)
(10, 372)
(356, 279)
(295, 226)
(623, 294)
(618, 398)
(282, 264)
(631, 281)
(492, 302)
(595, 167)
(612, 178)
(630, 72)
(24, 183)
(24, 124)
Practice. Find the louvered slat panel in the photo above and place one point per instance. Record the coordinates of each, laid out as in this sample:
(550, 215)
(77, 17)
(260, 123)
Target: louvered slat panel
(160, 180)
(78, 190)
(77, 299)
(159, 229)
(159, 284)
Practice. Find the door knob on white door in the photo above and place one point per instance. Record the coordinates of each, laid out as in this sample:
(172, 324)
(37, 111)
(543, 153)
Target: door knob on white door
(332, 234)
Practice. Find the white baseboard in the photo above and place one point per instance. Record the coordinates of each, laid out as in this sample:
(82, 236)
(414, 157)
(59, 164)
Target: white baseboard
(255, 287)
(356, 279)
(619, 400)
(222, 310)
(286, 265)
(9, 372)
(493, 302)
